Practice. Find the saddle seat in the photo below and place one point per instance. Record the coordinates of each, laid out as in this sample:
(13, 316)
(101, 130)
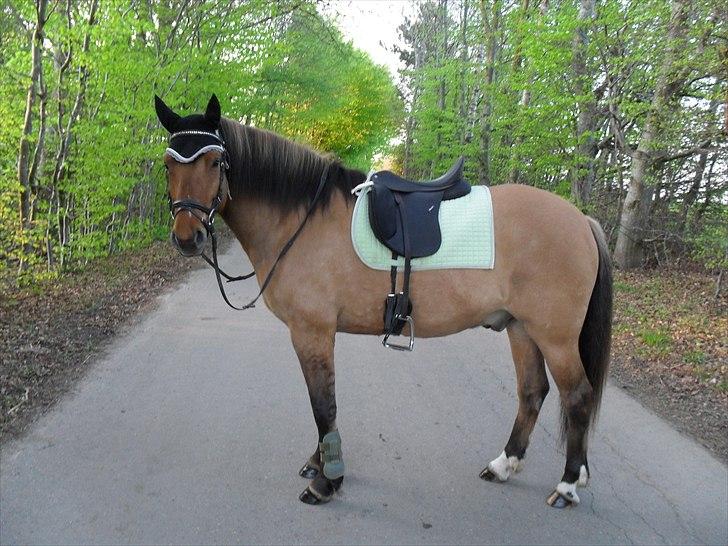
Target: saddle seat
(451, 183)
(401, 209)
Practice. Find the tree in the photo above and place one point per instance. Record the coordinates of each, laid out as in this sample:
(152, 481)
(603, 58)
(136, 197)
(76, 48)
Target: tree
(619, 107)
(87, 180)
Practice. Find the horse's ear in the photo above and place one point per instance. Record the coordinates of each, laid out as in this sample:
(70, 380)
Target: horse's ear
(167, 118)
(212, 113)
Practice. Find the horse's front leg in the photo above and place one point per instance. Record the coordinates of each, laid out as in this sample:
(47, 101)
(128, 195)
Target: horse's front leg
(315, 349)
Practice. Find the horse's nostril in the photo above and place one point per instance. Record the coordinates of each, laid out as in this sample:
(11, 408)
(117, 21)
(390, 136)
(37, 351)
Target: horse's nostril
(200, 238)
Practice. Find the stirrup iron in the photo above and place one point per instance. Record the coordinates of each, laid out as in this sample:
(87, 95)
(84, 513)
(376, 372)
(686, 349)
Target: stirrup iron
(396, 346)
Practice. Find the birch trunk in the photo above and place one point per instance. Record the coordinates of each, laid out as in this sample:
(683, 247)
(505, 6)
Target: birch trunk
(25, 161)
(66, 134)
(629, 250)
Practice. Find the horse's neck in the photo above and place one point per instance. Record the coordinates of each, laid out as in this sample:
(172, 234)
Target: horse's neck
(257, 225)
(264, 229)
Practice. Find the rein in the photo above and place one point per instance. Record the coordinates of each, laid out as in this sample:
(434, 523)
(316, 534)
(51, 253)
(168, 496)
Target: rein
(191, 206)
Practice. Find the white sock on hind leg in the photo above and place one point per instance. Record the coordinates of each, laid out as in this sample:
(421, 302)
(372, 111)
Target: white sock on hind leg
(583, 477)
(503, 466)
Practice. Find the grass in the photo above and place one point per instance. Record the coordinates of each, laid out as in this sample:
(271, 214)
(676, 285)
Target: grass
(656, 341)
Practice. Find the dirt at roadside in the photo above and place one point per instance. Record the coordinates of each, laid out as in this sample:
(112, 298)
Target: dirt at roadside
(670, 350)
(670, 347)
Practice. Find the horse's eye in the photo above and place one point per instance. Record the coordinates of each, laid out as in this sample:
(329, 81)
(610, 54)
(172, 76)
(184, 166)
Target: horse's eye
(216, 163)
(166, 167)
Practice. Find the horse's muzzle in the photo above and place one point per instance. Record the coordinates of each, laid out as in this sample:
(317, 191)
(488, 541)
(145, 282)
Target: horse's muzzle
(192, 246)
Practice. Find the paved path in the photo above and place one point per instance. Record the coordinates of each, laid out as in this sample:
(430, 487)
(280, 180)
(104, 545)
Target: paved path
(194, 426)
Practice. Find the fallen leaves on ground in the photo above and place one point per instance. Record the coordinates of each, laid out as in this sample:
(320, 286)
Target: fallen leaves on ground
(670, 349)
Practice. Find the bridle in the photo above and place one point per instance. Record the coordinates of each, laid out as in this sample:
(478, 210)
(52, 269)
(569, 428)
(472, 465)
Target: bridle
(191, 206)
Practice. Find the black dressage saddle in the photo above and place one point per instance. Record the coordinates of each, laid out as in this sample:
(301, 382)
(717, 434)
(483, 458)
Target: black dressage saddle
(404, 216)
(405, 213)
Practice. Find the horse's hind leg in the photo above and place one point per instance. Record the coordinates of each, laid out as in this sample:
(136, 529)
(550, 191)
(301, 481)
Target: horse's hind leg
(533, 386)
(315, 350)
(578, 404)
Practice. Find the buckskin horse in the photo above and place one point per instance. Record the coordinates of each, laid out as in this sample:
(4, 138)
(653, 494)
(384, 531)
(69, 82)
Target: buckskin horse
(291, 208)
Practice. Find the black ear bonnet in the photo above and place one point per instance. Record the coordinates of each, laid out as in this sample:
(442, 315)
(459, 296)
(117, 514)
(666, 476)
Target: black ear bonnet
(191, 136)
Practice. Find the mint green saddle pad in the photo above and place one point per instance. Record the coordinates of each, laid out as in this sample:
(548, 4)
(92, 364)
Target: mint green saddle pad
(466, 224)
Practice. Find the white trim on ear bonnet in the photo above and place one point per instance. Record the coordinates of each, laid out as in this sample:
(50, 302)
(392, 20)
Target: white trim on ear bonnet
(195, 143)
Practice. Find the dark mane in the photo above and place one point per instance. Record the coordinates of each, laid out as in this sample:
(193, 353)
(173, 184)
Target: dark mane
(278, 171)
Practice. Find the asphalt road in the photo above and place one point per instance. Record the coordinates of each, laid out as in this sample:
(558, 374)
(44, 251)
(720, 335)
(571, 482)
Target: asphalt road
(192, 429)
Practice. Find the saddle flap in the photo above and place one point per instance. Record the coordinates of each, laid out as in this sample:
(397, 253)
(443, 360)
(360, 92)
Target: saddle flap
(423, 223)
(422, 217)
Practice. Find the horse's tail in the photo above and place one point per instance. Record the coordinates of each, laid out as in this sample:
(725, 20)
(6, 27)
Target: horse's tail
(596, 333)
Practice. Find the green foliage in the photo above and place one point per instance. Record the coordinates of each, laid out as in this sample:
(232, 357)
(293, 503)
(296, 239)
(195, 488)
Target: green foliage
(695, 357)
(276, 65)
(523, 126)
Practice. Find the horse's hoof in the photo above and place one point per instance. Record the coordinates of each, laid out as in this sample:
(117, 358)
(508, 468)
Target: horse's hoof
(488, 475)
(309, 472)
(309, 497)
(557, 500)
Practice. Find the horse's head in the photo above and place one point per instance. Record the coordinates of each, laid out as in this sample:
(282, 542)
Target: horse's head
(196, 162)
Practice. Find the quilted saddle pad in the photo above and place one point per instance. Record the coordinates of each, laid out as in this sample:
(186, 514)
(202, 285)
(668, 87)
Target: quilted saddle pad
(466, 224)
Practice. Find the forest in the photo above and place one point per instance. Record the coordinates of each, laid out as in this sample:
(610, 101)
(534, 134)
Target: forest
(619, 106)
(80, 159)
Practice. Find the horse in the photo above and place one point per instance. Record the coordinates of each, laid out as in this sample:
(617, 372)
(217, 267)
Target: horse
(290, 208)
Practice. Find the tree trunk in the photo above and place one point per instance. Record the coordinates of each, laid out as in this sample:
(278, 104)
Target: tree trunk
(408, 167)
(66, 134)
(491, 26)
(629, 250)
(442, 87)
(515, 173)
(34, 88)
(582, 173)
(463, 96)
(692, 194)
